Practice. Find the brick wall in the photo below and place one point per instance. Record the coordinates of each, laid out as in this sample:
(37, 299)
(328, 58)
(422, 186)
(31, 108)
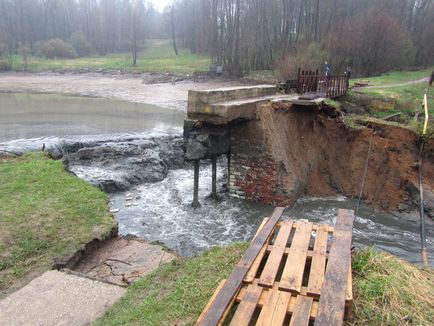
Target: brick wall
(254, 174)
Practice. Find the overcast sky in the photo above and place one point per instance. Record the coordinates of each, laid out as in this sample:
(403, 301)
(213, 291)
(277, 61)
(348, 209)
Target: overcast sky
(160, 4)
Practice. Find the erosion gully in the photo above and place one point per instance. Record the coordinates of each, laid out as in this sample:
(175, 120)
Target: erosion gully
(134, 152)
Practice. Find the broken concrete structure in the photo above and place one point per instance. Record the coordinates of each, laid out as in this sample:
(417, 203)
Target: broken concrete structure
(283, 146)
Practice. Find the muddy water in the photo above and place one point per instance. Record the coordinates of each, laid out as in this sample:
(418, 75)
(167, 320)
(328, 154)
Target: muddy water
(26, 115)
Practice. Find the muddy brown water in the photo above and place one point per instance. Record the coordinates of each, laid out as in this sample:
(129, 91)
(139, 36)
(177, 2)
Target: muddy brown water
(161, 211)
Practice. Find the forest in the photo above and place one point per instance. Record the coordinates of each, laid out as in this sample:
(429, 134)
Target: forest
(370, 36)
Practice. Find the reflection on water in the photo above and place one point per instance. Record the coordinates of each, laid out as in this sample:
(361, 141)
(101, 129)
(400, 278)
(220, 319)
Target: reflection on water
(26, 115)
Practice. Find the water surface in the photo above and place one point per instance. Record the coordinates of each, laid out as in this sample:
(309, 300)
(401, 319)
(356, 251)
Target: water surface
(162, 212)
(27, 115)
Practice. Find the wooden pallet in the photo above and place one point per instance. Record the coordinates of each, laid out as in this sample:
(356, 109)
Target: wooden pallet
(288, 282)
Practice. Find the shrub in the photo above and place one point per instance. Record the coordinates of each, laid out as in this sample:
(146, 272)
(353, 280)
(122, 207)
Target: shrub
(80, 44)
(57, 48)
(309, 56)
(5, 66)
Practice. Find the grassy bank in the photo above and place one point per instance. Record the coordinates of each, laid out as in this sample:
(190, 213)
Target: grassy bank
(175, 293)
(388, 291)
(383, 100)
(46, 215)
(395, 77)
(158, 56)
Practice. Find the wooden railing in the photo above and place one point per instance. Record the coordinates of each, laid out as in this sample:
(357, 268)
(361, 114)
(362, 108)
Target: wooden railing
(309, 81)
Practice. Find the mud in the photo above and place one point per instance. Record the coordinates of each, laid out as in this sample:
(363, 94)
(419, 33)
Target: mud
(128, 88)
(322, 156)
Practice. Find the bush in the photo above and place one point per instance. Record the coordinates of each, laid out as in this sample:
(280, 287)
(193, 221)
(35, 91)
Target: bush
(80, 44)
(305, 57)
(5, 66)
(57, 48)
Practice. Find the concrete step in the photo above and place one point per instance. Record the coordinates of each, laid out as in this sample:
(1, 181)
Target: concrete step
(57, 298)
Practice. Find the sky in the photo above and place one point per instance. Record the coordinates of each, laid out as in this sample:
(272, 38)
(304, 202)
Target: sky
(160, 4)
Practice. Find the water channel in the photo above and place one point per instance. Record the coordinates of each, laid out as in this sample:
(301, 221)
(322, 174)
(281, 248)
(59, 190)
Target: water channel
(160, 210)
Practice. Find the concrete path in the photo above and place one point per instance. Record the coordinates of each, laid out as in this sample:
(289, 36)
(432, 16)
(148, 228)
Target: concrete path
(57, 298)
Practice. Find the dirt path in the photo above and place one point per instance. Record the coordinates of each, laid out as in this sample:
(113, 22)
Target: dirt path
(127, 88)
(411, 82)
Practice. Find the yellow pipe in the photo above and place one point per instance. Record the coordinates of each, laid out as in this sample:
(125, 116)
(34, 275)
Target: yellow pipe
(425, 104)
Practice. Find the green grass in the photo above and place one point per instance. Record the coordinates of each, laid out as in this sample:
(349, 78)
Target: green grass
(384, 101)
(175, 293)
(158, 56)
(390, 291)
(395, 77)
(387, 290)
(46, 215)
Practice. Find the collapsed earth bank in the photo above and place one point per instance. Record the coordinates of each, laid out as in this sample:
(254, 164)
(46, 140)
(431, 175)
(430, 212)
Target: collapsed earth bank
(288, 151)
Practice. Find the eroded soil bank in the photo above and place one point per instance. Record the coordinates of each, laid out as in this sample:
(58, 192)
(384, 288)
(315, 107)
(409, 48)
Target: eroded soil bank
(318, 154)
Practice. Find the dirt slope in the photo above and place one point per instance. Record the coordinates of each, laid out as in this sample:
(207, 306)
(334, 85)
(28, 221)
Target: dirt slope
(322, 156)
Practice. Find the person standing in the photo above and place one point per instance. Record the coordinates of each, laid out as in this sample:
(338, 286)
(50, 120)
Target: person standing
(431, 80)
(327, 69)
(347, 73)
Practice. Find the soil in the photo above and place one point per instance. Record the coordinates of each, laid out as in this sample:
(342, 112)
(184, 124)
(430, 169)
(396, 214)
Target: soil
(322, 156)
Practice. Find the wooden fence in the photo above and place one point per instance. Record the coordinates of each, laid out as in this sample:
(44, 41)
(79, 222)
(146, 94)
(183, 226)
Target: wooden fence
(309, 81)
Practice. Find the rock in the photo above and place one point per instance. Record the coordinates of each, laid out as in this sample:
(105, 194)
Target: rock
(119, 164)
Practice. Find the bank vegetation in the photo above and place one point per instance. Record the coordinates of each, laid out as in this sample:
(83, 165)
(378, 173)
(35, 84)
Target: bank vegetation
(46, 216)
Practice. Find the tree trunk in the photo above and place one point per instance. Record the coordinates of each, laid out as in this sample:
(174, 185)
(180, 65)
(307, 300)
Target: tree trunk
(172, 22)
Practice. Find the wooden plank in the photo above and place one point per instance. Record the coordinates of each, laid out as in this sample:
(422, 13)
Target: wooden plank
(292, 275)
(264, 297)
(234, 282)
(251, 274)
(318, 264)
(275, 308)
(247, 306)
(205, 310)
(332, 300)
(302, 310)
(349, 292)
(271, 268)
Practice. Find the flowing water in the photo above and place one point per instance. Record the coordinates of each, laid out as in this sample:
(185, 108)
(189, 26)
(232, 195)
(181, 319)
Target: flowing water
(161, 211)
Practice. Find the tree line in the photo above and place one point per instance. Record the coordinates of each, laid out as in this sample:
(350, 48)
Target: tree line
(107, 26)
(371, 36)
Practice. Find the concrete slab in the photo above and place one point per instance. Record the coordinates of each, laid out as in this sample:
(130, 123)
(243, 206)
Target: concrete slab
(57, 298)
(121, 261)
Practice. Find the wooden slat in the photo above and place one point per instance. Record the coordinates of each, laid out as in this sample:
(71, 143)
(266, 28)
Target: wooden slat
(333, 292)
(234, 282)
(271, 268)
(292, 275)
(205, 310)
(264, 297)
(251, 274)
(275, 308)
(302, 311)
(318, 264)
(247, 306)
